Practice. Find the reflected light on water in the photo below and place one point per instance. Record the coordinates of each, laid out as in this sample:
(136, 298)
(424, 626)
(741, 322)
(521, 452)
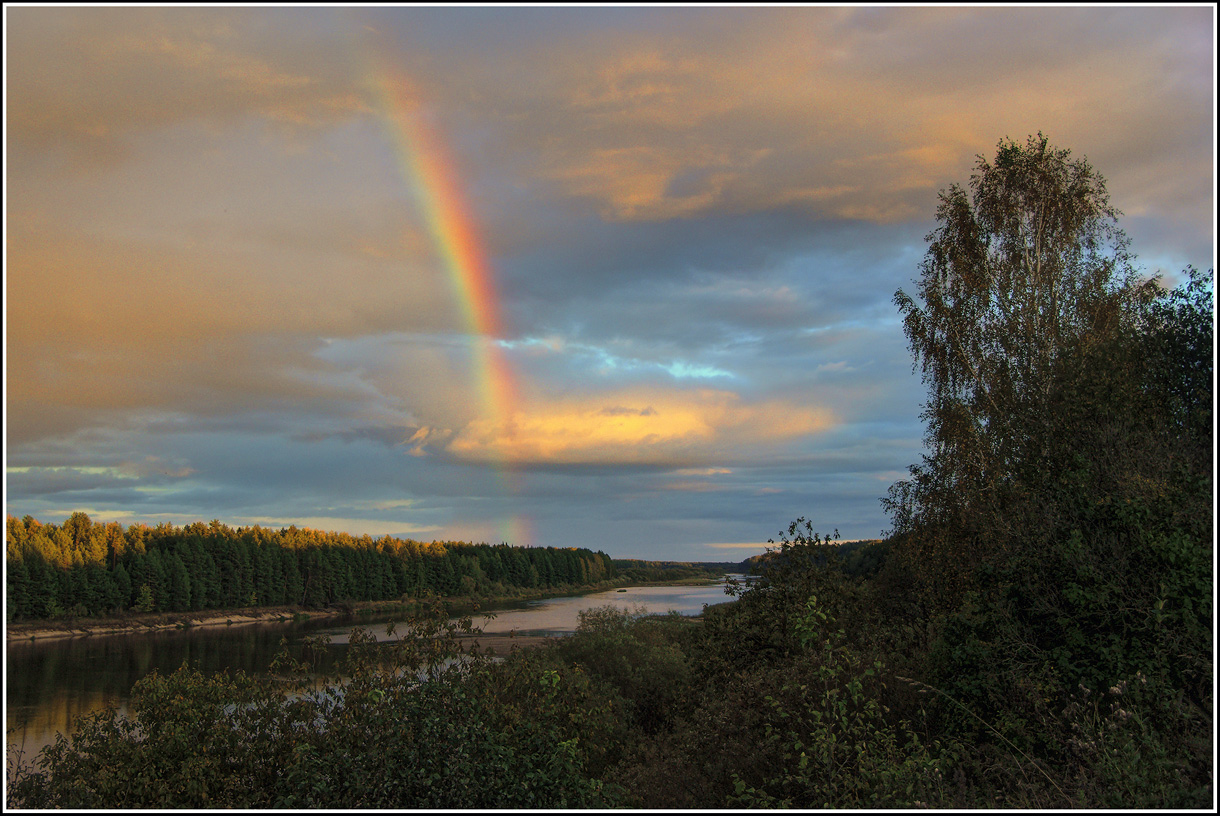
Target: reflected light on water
(51, 683)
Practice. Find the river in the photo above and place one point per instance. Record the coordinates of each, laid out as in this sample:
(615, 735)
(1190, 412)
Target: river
(48, 684)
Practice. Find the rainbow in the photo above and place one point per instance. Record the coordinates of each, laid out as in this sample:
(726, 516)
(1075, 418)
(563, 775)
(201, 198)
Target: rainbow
(427, 168)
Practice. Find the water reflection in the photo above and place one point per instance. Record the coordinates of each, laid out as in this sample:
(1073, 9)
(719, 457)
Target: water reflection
(556, 617)
(50, 683)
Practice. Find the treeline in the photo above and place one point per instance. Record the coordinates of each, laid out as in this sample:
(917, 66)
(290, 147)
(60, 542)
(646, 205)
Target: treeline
(634, 569)
(862, 557)
(80, 568)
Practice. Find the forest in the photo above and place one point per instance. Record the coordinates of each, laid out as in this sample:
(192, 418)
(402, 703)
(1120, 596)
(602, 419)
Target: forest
(640, 571)
(1035, 631)
(83, 569)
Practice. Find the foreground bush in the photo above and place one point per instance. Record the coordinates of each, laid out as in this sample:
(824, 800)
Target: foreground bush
(843, 708)
(413, 723)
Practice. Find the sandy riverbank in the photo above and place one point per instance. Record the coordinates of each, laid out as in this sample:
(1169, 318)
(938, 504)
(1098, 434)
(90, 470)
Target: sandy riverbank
(498, 644)
(85, 627)
(501, 645)
(136, 623)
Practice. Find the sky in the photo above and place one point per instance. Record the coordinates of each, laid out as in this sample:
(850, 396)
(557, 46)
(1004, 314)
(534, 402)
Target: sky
(607, 277)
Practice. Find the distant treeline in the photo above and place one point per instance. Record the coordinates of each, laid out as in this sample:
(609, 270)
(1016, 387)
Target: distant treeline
(862, 558)
(636, 570)
(84, 569)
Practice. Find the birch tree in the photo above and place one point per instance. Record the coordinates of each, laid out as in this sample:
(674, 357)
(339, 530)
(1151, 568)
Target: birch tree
(1026, 274)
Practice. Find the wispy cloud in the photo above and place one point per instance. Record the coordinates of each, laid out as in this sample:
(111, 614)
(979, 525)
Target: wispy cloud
(339, 524)
(93, 82)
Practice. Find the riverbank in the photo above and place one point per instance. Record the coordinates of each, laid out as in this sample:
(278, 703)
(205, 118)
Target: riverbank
(52, 682)
(503, 645)
(139, 623)
(142, 622)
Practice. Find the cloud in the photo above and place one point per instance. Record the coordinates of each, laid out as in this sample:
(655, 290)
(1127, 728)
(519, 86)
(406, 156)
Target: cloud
(556, 351)
(757, 547)
(340, 524)
(155, 467)
(126, 482)
(111, 326)
(424, 437)
(709, 471)
(694, 487)
(675, 428)
(841, 113)
(90, 80)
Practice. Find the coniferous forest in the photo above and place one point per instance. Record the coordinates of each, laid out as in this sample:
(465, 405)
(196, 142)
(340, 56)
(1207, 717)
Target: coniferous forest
(1035, 630)
(83, 569)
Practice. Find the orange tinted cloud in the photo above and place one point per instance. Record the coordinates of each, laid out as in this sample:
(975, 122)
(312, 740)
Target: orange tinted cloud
(89, 79)
(845, 113)
(638, 427)
(111, 326)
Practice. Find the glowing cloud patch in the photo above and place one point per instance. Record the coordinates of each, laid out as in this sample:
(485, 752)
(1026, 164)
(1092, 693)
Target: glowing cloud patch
(680, 370)
(639, 427)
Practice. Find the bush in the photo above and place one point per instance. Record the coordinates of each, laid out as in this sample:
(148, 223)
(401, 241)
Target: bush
(413, 723)
(637, 661)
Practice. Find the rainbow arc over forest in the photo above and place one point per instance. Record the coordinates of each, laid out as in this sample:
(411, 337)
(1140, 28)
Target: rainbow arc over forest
(426, 166)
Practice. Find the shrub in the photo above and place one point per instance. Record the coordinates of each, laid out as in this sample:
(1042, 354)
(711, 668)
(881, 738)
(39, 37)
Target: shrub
(412, 723)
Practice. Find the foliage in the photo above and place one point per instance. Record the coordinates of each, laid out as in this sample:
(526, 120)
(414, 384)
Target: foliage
(88, 569)
(638, 571)
(1057, 534)
(837, 747)
(1024, 279)
(639, 663)
(416, 722)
